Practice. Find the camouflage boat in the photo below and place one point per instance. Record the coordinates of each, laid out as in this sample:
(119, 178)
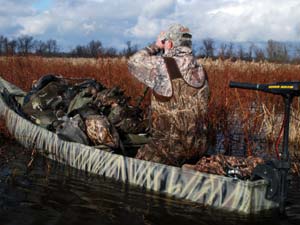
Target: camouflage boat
(242, 196)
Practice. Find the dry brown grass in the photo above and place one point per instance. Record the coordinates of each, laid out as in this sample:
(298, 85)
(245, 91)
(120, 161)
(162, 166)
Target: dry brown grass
(258, 112)
(22, 71)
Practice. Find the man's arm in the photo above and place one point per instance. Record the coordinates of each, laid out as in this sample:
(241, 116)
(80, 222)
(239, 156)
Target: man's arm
(150, 69)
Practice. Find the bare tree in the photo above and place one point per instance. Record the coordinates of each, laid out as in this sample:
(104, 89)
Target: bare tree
(40, 47)
(51, 47)
(12, 46)
(241, 54)
(297, 54)
(259, 54)
(129, 50)
(297, 51)
(208, 47)
(95, 48)
(3, 45)
(110, 52)
(25, 44)
(222, 50)
(1, 48)
(244, 54)
(250, 52)
(80, 51)
(277, 51)
(229, 51)
(92, 49)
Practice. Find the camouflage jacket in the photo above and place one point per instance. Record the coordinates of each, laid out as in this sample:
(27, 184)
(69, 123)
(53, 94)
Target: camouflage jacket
(178, 128)
(152, 69)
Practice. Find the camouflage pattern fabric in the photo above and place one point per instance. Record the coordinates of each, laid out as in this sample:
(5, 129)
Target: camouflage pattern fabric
(151, 69)
(179, 35)
(87, 113)
(47, 98)
(41, 105)
(108, 97)
(127, 119)
(100, 131)
(178, 128)
(239, 167)
(82, 99)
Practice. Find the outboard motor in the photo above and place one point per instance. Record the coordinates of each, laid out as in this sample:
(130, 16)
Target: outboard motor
(276, 171)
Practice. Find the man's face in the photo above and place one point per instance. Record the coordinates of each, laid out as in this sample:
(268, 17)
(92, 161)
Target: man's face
(168, 44)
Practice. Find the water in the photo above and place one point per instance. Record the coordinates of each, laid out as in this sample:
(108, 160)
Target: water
(50, 193)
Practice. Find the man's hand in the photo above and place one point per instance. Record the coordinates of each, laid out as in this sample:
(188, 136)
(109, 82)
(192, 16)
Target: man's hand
(160, 42)
(163, 43)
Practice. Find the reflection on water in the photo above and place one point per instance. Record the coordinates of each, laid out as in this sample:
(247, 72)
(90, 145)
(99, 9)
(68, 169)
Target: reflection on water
(50, 193)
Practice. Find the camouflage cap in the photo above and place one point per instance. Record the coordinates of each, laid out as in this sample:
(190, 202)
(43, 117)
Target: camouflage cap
(180, 35)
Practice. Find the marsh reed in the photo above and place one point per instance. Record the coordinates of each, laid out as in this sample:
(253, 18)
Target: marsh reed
(253, 113)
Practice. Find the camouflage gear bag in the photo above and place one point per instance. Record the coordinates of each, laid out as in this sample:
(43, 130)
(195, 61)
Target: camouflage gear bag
(85, 112)
(101, 131)
(233, 166)
(71, 129)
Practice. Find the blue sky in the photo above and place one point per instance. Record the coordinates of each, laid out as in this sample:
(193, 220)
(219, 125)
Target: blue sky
(42, 5)
(114, 22)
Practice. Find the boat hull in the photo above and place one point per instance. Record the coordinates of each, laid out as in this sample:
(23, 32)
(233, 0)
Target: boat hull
(207, 189)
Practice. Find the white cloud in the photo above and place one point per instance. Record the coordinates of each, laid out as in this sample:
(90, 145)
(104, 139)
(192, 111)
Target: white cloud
(34, 25)
(152, 18)
(158, 8)
(254, 20)
(89, 27)
(78, 21)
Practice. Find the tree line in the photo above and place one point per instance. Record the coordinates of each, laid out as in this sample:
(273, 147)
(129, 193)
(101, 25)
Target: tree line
(272, 51)
(26, 45)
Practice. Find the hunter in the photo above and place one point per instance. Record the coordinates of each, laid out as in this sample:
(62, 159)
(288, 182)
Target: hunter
(179, 100)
